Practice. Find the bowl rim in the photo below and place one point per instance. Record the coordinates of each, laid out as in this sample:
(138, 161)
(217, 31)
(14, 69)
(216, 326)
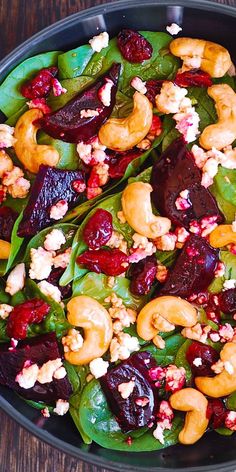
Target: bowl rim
(6, 64)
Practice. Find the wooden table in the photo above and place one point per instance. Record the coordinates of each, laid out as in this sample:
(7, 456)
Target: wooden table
(19, 450)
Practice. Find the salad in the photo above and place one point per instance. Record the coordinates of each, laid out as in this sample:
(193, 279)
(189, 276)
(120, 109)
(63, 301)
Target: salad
(118, 238)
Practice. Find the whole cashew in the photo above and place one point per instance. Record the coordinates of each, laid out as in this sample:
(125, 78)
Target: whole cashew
(222, 235)
(27, 150)
(90, 315)
(224, 383)
(5, 249)
(122, 134)
(196, 422)
(163, 314)
(137, 209)
(223, 133)
(213, 58)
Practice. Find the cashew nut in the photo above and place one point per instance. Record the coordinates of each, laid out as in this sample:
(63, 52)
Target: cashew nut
(27, 150)
(122, 134)
(5, 249)
(90, 315)
(223, 133)
(196, 422)
(212, 57)
(222, 235)
(163, 314)
(137, 209)
(224, 383)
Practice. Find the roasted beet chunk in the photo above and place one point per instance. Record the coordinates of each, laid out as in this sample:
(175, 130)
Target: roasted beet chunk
(133, 46)
(193, 78)
(216, 412)
(98, 229)
(227, 301)
(193, 270)
(31, 311)
(37, 350)
(67, 123)
(7, 220)
(206, 356)
(111, 262)
(128, 412)
(51, 186)
(143, 275)
(176, 172)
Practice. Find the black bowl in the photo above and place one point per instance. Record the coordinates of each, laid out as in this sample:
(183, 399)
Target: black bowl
(199, 19)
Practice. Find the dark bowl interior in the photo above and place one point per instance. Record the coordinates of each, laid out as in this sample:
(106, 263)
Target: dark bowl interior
(201, 19)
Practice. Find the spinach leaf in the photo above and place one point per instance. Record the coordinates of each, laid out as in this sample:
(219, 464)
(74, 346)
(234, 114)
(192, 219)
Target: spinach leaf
(181, 361)
(101, 426)
(225, 181)
(73, 87)
(72, 63)
(69, 158)
(225, 207)
(12, 120)
(205, 106)
(229, 261)
(3, 335)
(224, 431)
(4, 297)
(167, 355)
(16, 243)
(38, 405)
(231, 402)
(11, 99)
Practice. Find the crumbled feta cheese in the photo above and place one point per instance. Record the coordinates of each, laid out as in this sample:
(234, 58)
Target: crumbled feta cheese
(41, 263)
(182, 235)
(230, 420)
(229, 158)
(96, 144)
(60, 373)
(173, 29)
(172, 98)
(5, 310)
(139, 85)
(117, 241)
(57, 88)
(191, 62)
(104, 93)
(39, 103)
(126, 388)
(62, 407)
(220, 269)
(166, 242)
(88, 113)
(175, 378)
(59, 210)
(158, 433)
(10, 177)
(54, 240)
(62, 260)
(200, 156)
(183, 202)
(6, 164)
(197, 361)
(28, 376)
(98, 367)
(226, 332)
(45, 412)
(230, 283)
(16, 279)
(6, 136)
(187, 124)
(99, 42)
(73, 341)
(122, 346)
(84, 151)
(215, 337)
(50, 290)
(209, 169)
(47, 371)
(20, 189)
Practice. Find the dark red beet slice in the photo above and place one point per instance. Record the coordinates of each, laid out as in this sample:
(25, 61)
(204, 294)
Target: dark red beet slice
(119, 162)
(129, 414)
(216, 412)
(193, 270)
(22, 315)
(54, 278)
(193, 78)
(143, 275)
(133, 46)
(38, 350)
(98, 229)
(66, 124)
(227, 301)
(51, 185)
(174, 172)
(7, 220)
(208, 356)
(111, 262)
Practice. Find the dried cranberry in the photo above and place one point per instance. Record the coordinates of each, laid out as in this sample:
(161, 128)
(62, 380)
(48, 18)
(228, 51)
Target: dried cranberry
(118, 162)
(111, 262)
(193, 270)
(216, 412)
(208, 356)
(133, 46)
(31, 311)
(227, 301)
(54, 279)
(40, 85)
(153, 88)
(193, 78)
(156, 126)
(7, 220)
(143, 275)
(98, 229)
(174, 172)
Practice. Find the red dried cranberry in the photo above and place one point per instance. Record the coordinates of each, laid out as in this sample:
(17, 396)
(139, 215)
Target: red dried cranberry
(156, 126)
(208, 356)
(118, 162)
(7, 220)
(153, 88)
(54, 279)
(227, 301)
(216, 412)
(98, 230)
(40, 85)
(133, 46)
(31, 311)
(143, 275)
(111, 262)
(193, 78)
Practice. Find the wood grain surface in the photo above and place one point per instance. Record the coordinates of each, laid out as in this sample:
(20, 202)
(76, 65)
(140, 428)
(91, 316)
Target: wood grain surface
(19, 450)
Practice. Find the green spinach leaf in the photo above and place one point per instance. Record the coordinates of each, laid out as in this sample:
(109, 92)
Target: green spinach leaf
(167, 355)
(181, 361)
(72, 63)
(229, 261)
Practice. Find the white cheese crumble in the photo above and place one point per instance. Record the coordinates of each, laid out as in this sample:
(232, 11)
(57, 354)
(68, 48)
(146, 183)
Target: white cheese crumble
(231, 283)
(197, 361)
(73, 341)
(47, 371)
(41, 263)
(104, 93)
(88, 113)
(122, 346)
(98, 367)
(172, 98)
(139, 85)
(99, 42)
(50, 290)
(28, 376)
(62, 260)
(62, 407)
(173, 29)
(58, 210)
(16, 279)
(6, 136)
(5, 310)
(54, 240)
(126, 388)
